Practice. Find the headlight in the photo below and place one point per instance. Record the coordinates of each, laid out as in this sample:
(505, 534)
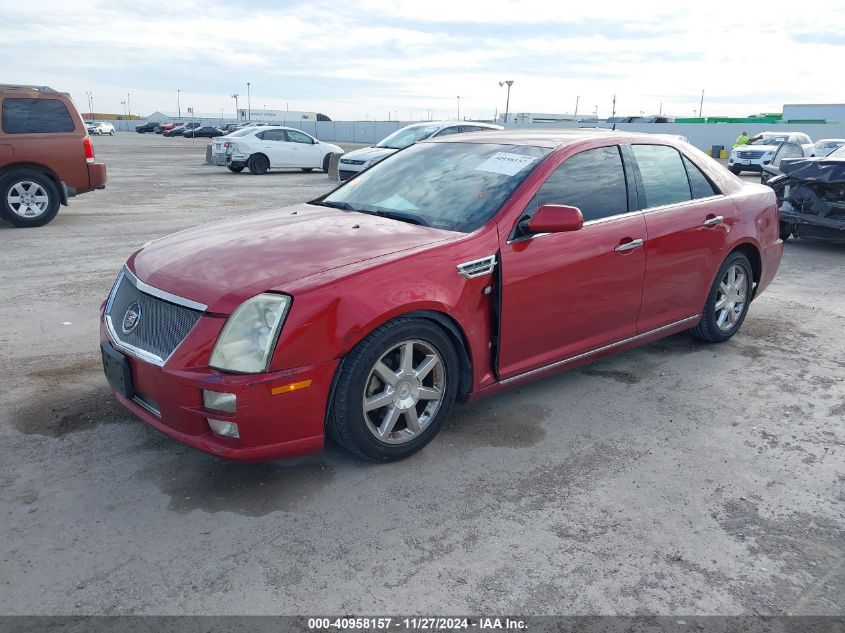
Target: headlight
(250, 334)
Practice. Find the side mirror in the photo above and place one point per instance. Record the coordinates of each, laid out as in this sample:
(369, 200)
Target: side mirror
(556, 218)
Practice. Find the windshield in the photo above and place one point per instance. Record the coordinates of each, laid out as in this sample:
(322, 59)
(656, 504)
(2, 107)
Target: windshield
(401, 139)
(452, 186)
(837, 153)
(768, 140)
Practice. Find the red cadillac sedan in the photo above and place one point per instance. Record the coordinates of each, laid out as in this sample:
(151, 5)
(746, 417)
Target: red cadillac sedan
(451, 270)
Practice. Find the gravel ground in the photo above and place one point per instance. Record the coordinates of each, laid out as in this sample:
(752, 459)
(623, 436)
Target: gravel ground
(678, 478)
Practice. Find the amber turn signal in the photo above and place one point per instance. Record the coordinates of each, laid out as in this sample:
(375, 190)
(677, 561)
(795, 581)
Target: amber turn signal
(290, 387)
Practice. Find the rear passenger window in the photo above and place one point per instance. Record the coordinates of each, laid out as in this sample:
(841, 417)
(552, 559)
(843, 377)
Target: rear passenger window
(664, 177)
(593, 181)
(35, 116)
(698, 183)
(298, 137)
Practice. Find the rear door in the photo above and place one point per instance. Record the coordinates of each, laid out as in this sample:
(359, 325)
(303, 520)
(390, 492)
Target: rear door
(304, 151)
(687, 219)
(274, 144)
(564, 294)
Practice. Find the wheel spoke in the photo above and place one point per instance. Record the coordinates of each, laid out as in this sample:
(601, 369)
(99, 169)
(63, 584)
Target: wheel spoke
(389, 422)
(412, 420)
(720, 320)
(732, 277)
(406, 358)
(425, 367)
(386, 374)
(721, 303)
(19, 189)
(723, 287)
(378, 401)
(429, 393)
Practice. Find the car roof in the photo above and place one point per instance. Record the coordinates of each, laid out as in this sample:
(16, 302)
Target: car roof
(543, 138)
(442, 124)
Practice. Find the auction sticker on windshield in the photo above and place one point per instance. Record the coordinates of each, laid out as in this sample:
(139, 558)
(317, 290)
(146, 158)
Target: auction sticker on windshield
(505, 163)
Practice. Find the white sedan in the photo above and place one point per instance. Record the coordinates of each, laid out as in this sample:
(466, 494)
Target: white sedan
(271, 147)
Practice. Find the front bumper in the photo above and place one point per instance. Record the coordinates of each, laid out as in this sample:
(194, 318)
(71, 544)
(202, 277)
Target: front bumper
(814, 227)
(169, 398)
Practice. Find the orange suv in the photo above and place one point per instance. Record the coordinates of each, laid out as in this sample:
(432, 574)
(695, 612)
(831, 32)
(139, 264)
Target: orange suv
(46, 155)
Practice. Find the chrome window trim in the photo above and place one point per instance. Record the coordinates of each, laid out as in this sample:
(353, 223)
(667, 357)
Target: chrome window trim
(682, 203)
(597, 350)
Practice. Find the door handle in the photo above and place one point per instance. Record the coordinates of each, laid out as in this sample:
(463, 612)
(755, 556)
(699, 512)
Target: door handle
(713, 221)
(629, 246)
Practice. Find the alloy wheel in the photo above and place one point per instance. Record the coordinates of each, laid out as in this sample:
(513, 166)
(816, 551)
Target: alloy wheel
(731, 297)
(28, 199)
(404, 391)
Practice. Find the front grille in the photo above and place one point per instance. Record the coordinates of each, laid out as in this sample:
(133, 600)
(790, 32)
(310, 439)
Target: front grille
(349, 161)
(161, 325)
(750, 154)
(345, 174)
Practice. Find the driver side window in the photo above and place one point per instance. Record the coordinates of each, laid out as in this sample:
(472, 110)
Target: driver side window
(593, 181)
(295, 136)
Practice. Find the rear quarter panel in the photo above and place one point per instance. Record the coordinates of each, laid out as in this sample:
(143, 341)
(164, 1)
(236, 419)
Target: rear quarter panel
(62, 153)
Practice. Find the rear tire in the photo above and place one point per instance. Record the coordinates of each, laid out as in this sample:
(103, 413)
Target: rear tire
(326, 160)
(736, 171)
(417, 395)
(307, 169)
(728, 301)
(258, 164)
(236, 167)
(28, 199)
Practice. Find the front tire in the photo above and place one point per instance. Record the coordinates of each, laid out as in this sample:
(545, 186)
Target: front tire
(785, 231)
(728, 301)
(258, 164)
(394, 390)
(736, 171)
(28, 199)
(307, 169)
(326, 161)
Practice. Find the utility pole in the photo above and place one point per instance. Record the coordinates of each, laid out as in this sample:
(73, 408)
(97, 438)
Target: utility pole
(128, 109)
(701, 105)
(661, 108)
(248, 104)
(577, 99)
(459, 107)
(237, 111)
(178, 104)
(90, 96)
(509, 83)
(613, 114)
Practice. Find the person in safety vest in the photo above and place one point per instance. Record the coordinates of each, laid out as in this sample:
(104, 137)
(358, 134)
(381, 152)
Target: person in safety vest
(742, 139)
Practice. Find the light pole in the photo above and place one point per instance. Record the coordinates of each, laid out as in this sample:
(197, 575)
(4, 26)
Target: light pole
(179, 104)
(509, 82)
(248, 106)
(701, 105)
(123, 103)
(237, 112)
(459, 107)
(577, 99)
(90, 96)
(128, 109)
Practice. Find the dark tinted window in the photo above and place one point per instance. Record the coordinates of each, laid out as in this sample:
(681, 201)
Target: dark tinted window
(698, 183)
(32, 116)
(272, 135)
(593, 181)
(664, 177)
(295, 136)
(449, 130)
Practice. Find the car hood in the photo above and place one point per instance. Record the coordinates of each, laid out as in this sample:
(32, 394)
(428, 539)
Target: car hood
(224, 263)
(370, 153)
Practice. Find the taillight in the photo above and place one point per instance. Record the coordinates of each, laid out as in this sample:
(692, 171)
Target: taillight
(226, 144)
(89, 149)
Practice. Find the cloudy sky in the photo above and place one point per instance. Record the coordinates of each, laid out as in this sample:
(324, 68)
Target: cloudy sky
(374, 59)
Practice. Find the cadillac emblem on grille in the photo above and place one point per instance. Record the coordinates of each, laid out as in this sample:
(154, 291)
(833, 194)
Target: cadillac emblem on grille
(131, 318)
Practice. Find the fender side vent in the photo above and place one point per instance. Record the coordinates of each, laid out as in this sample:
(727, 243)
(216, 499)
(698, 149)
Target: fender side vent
(477, 267)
